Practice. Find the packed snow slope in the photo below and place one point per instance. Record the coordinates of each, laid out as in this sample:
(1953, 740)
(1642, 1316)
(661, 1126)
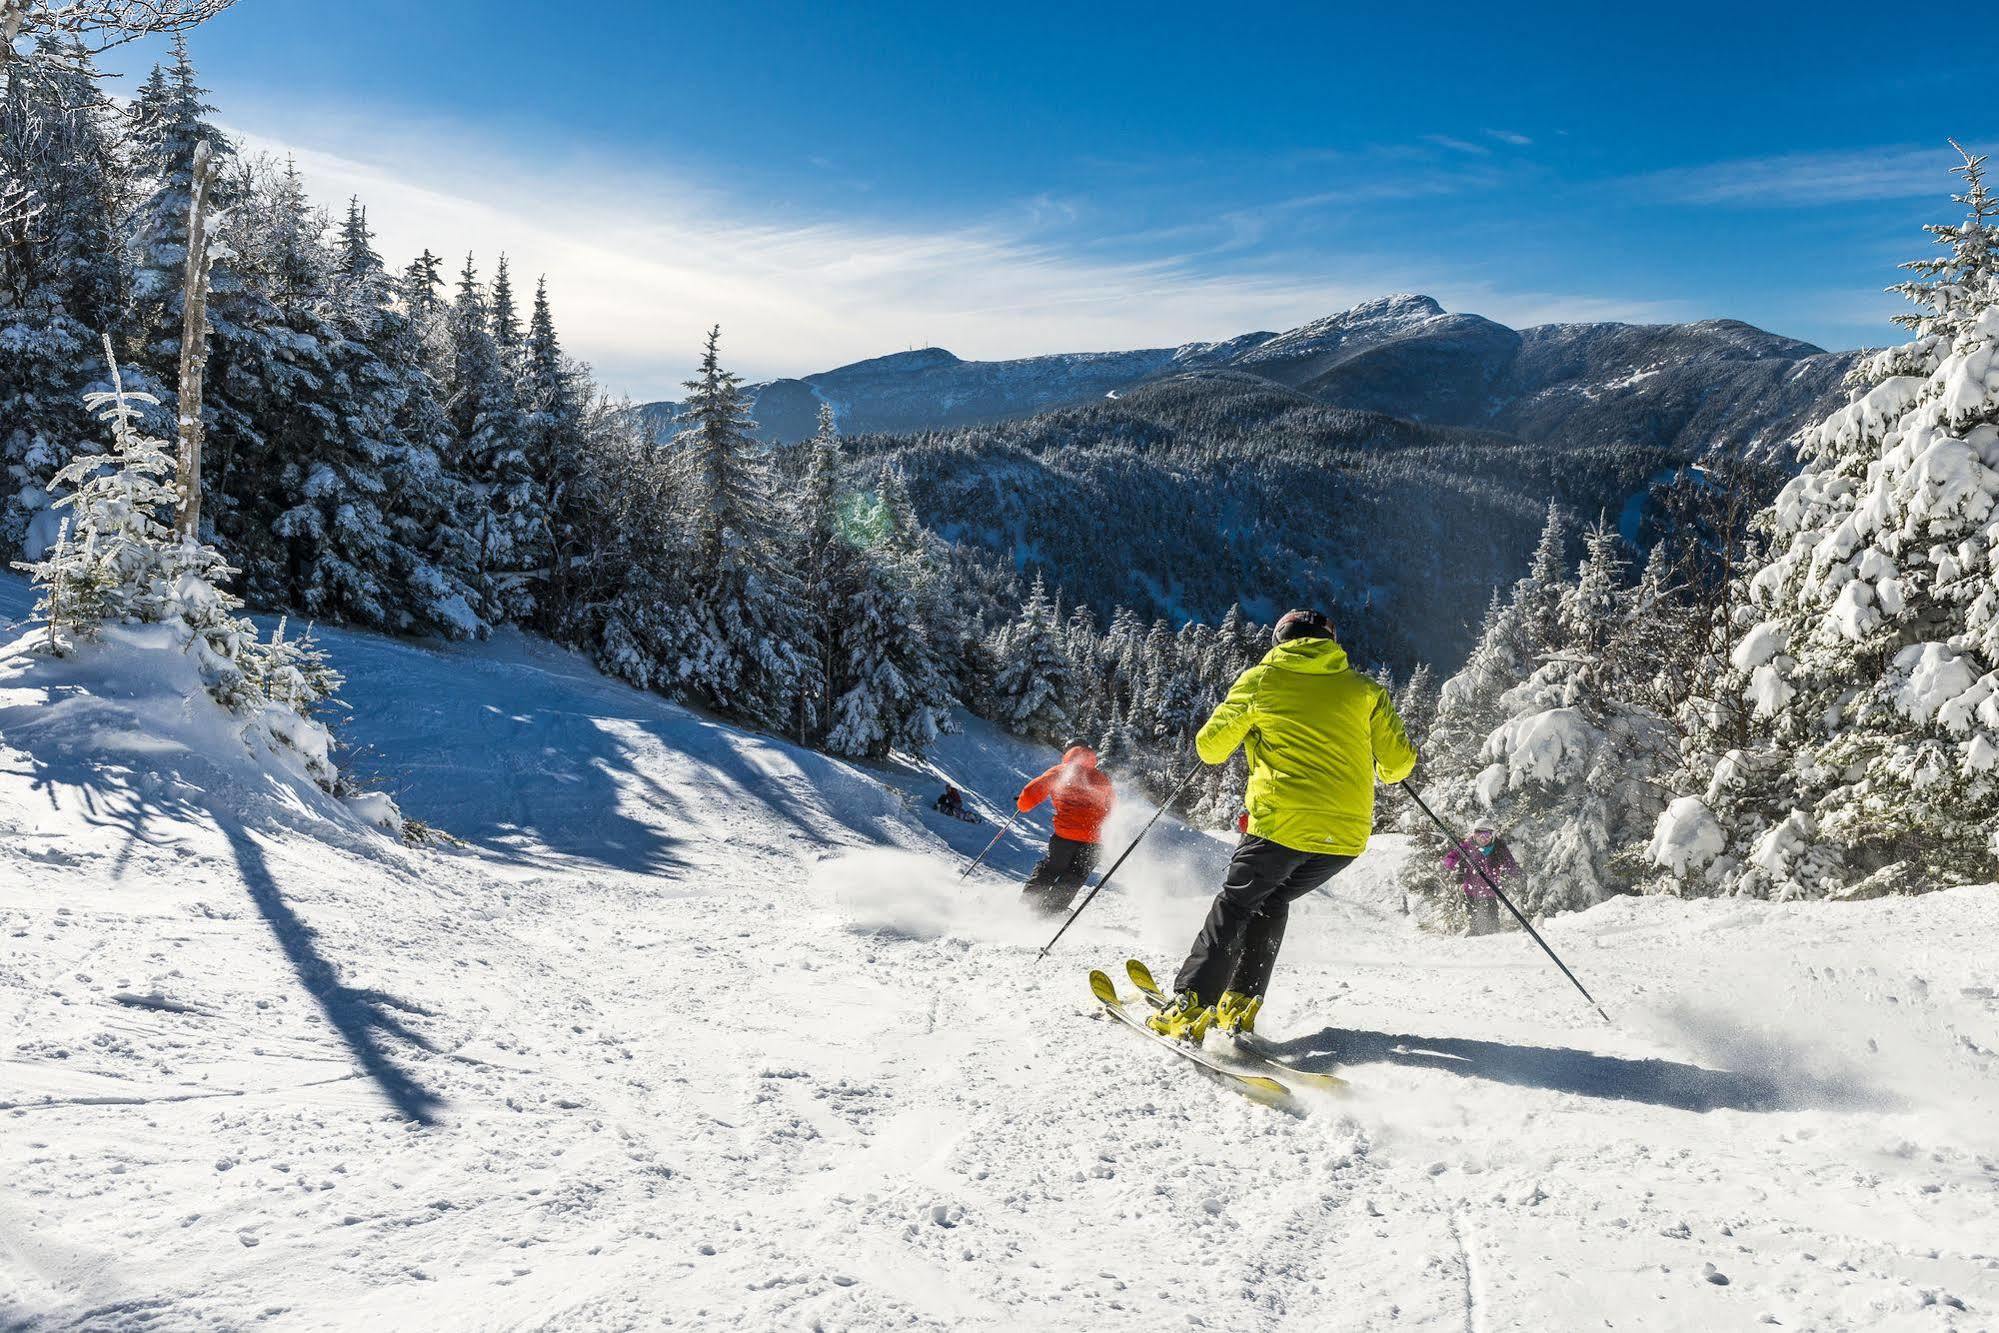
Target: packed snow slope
(692, 1029)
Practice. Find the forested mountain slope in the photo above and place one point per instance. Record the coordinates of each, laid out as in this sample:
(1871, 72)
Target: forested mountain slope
(1216, 487)
(1395, 459)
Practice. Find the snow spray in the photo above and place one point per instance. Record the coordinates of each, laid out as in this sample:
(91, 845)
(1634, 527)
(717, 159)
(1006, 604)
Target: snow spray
(1098, 888)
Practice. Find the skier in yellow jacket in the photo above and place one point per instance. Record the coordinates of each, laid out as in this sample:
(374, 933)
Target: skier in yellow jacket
(1317, 735)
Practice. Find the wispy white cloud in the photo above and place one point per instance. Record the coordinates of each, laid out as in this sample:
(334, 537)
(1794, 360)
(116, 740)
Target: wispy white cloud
(1458, 145)
(1524, 309)
(1514, 137)
(1793, 180)
(640, 261)
(635, 281)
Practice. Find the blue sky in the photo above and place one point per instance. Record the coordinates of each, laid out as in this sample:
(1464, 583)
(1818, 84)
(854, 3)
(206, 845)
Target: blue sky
(837, 181)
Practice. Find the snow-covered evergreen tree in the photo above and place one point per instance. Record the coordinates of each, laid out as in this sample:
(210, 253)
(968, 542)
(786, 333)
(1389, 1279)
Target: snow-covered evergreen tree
(430, 507)
(1539, 595)
(1032, 686)
(118, 562)
(273, 498)
(61, 279)
(1179, 705)
(488, 450)
(1469, 708)
(506, 318)
(1546, 734)
(1518, 631)
(293, 251)
(1416, 703)
(738, 648)
(1571, 771)
(824, 572)
(555, 394)
(1236, 649)
(901, 532)
(355, 551)
(889, 612)
(1468, 704)
(1118, 749)
(109, 564)
(256, 373)
(952, 662)
(423, 288)
(883, 682)
(1870, 658)
(165, 122)
(625, 600)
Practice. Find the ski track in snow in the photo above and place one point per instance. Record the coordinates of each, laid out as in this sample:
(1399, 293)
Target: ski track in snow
(699, 1031)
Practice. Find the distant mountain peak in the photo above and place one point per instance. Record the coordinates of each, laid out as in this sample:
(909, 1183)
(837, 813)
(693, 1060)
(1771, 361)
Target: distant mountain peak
(917, 358)
(1400, 308)
(1397, 305)
(1369, 324)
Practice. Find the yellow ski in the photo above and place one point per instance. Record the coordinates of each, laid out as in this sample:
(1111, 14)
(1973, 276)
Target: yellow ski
(1248, 1044)
(1257, 1088)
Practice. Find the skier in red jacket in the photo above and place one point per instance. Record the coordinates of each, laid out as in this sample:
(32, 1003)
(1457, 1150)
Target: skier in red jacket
(1083, 800)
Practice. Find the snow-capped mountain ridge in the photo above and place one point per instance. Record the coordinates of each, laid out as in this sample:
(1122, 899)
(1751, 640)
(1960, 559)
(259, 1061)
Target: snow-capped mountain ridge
(1404, 355)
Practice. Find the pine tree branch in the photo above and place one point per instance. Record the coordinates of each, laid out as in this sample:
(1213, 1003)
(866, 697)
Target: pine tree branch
(102, 24)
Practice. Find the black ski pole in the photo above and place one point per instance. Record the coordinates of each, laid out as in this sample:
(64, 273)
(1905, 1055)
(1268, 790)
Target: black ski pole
(989, 846)
(1098, 888)
(1478, 865)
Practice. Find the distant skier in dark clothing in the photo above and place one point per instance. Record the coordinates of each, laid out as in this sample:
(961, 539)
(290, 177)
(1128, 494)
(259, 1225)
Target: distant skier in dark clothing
(1083, 798)
(1489, 850)
(951, 803)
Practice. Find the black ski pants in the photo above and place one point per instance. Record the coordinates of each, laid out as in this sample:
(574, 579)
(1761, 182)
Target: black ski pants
(1052, 886)
(1237, 947)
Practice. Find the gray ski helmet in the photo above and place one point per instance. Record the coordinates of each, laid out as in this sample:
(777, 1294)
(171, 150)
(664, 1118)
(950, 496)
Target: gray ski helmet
(1302, 624)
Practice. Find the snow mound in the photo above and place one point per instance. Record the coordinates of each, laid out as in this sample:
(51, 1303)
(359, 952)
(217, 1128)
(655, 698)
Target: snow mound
(128, 722)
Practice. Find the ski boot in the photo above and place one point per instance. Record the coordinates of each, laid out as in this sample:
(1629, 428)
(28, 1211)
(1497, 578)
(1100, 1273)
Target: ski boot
(1184, 1018)
(1236, 1013)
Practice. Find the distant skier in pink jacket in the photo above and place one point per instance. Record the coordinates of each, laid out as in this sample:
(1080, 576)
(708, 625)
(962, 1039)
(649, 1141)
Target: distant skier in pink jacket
(1488, 850)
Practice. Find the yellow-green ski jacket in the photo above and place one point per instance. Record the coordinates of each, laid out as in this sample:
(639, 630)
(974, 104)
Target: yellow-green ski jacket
(1317, 734)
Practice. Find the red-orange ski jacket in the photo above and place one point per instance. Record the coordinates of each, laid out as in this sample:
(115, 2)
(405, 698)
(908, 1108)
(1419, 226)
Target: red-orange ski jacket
(1081, 793)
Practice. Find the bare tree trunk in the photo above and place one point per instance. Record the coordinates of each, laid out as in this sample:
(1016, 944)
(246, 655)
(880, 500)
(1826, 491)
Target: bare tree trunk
(194, 347)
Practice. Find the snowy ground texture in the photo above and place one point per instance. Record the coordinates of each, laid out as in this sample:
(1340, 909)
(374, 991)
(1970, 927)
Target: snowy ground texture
(696, 1031)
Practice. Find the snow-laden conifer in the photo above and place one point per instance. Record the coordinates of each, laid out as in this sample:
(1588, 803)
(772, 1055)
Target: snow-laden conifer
(1570, 772)
(118, 563)
(61, 275)
(1868, 653)
(1032, 687)
(738, 645)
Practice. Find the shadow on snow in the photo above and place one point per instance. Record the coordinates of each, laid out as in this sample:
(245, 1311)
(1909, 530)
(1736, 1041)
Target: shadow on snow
(360, 1017)
(525, 752)
(1668, 1083)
